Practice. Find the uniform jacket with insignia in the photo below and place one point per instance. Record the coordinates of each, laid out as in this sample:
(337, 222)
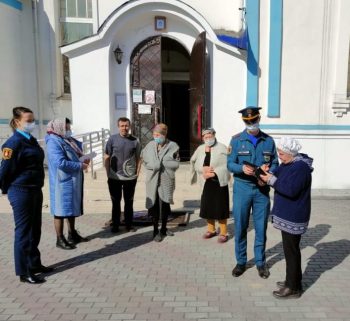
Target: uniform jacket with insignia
(22, 163)
(242, 149)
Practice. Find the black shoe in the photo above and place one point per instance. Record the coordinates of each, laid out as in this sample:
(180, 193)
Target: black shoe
(168, 233)
(263, 271)
(158, 238)
(238, 270)
(115, 229)
(75, 238)
(281, 284)
(287, 293)
(131, 229)
(41, 269)
(63, 244)
(31, 279)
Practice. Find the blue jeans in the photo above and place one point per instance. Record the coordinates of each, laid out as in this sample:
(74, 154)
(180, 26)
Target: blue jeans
(27, 208)
(248, 198)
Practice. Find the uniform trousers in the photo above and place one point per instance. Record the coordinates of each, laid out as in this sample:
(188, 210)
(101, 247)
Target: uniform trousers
(117, 189)
(249, 198)
(27, 211)
(291, 248)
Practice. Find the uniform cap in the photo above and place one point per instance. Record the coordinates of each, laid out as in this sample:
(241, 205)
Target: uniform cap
(250, 113)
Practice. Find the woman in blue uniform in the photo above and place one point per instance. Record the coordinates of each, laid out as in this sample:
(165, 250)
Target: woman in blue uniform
(21, 178)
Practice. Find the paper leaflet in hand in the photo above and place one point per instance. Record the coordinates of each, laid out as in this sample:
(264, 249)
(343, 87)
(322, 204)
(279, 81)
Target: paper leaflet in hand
(87, 156)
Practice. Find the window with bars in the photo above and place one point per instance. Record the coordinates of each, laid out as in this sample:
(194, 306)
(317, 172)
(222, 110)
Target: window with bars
(76, 22)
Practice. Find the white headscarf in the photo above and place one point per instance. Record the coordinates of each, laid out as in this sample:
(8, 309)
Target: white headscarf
(289, 145)
(57, 126)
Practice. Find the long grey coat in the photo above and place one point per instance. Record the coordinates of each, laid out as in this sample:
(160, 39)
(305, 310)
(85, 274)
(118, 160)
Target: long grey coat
(218, 161)
(160, 171)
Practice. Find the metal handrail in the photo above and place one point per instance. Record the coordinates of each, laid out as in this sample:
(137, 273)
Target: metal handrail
(92, 142)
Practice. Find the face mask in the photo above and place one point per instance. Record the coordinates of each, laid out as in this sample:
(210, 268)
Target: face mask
(252, 127)
(68, 134)
(210, 142)
(29, 127)
(159, 140)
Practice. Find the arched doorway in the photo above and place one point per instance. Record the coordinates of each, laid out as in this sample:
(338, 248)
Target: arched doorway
(168, 85)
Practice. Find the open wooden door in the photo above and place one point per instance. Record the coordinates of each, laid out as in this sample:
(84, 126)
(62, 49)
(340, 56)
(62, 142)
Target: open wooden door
(146, 75)
(198, 104)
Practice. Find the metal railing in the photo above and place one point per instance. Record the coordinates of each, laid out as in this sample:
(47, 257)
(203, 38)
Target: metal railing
(92, 142)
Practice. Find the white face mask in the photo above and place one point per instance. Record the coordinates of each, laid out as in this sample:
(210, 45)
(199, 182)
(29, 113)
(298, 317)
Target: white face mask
(68, 134)
(210, 142)
(253, 127)
(29, 127)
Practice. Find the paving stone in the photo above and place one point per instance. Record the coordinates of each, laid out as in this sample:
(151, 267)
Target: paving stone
(128, 277)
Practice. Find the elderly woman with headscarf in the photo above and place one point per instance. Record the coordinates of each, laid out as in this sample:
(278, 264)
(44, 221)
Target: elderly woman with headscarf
(66, 180)
(161, 160)
(209, 167)
(291, 210)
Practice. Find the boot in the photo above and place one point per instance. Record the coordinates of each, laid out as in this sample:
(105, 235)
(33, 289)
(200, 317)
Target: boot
(75, 238)
(63, 244)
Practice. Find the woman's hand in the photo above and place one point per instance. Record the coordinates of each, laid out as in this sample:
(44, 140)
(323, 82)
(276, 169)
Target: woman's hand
(265, 177)
(208, 172)
(85, 166)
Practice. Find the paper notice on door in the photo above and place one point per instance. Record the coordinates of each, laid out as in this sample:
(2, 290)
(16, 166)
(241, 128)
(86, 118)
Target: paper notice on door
(144, 109)
(150, 97)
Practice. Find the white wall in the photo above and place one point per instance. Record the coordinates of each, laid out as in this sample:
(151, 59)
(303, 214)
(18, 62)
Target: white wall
(227, 14)
(16, 64)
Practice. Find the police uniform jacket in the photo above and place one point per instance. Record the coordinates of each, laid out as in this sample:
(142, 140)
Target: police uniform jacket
(22, 163)
(242, 149)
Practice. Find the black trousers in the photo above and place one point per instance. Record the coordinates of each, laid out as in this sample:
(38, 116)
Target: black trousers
(117, 188)
(291, 248)
(161, 210)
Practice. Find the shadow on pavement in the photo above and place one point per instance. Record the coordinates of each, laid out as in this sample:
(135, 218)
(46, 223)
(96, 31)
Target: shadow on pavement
(310, 238)
(129, 242)
(328, 256)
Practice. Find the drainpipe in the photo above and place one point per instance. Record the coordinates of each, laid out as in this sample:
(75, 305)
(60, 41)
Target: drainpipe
(37, 65)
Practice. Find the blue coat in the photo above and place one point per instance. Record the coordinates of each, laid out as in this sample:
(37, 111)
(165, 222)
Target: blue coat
(292, 201)
(65, 177)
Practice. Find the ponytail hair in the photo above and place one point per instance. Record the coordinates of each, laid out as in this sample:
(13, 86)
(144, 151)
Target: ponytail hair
(17, 114)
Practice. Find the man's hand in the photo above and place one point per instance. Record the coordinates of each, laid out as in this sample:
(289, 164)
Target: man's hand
(248, 170)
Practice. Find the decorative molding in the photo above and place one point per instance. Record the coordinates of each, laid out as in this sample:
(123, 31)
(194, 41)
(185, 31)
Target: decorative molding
(341, 105)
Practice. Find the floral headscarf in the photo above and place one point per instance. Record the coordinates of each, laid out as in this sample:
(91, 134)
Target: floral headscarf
(57, 126)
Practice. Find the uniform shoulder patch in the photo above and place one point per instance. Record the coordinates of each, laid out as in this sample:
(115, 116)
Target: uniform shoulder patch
(7, 153)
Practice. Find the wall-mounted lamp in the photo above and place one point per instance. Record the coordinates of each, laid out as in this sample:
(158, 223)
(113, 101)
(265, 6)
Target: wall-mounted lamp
(118, 54)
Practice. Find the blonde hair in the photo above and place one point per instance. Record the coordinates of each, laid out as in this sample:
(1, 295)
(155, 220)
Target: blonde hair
(161, 129)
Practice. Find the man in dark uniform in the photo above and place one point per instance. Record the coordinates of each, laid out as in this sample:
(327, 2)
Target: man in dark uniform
(122, 157)
(249, 150)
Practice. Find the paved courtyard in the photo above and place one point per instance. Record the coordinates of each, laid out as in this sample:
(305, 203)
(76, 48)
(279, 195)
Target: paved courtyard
(127, 276)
